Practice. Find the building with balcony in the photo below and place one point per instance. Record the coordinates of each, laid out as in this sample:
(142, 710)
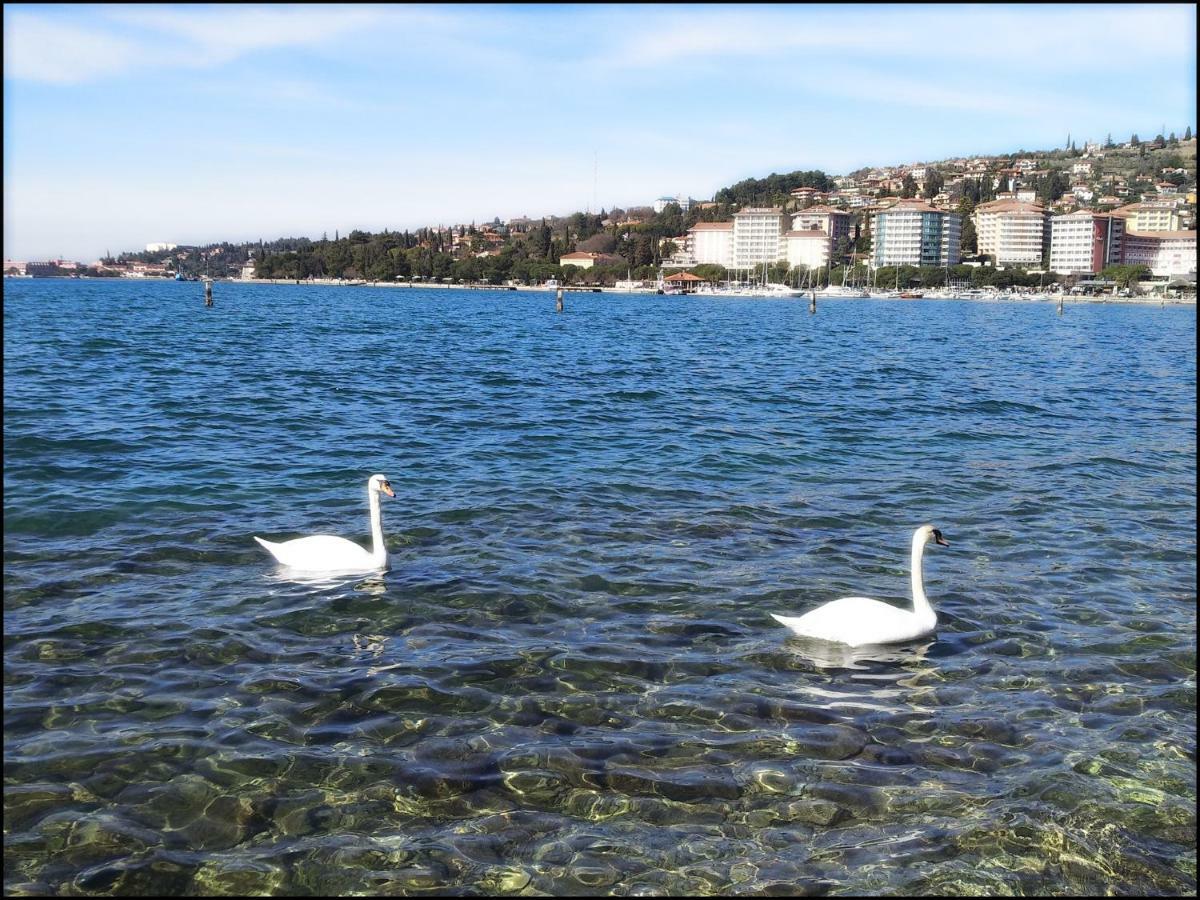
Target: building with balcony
(1150, 216)
(758, 237)
(913, 233)
(1012, 232)
(809, 248)
(711, 242)
(1084, 242)
(834, 222)
(1165, 253)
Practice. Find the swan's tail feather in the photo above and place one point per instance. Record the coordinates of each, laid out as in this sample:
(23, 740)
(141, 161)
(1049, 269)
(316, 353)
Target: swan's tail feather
(268, 546)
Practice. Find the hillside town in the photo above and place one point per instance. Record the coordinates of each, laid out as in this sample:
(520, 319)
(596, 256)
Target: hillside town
(1068, 215)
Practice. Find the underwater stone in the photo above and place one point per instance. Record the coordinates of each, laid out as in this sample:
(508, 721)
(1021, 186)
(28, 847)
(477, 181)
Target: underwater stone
(814, 812)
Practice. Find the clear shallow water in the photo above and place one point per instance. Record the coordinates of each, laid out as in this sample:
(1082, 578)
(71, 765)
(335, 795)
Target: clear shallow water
(568, 682)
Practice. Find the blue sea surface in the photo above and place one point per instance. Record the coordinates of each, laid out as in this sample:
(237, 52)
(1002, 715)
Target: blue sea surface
(569, 682)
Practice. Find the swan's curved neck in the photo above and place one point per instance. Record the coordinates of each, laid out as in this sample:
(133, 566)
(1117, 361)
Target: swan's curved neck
(921, 604)
(378, 548)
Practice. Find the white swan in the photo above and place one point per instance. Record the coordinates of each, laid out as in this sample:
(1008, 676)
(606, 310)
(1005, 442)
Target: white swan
(860, 620)
(328, 553)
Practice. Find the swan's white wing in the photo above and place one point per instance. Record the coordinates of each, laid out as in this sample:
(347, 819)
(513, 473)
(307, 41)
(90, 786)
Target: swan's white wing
(857, 621)
(320, 553)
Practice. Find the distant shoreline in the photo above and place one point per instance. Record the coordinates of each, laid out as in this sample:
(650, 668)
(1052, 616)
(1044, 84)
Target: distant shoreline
(575, 289)
(1135, 301)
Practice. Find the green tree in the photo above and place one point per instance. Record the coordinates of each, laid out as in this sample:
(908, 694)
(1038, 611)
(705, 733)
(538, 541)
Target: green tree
(908, 187)
(1125, 275)
(709, 272)
(968, 241)
(933, 184)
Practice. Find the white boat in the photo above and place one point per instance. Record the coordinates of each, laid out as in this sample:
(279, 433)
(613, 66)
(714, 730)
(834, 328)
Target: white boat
(834, 291)
(770, 290)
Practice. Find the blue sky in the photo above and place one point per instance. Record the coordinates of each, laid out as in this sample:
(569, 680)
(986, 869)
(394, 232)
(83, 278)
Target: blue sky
(125, 125)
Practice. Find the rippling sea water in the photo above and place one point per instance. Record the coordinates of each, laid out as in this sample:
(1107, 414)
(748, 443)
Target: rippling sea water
(568, 682)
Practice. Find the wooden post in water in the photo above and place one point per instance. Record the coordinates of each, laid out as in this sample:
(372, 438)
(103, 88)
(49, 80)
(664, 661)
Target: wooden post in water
(558, 301)
(1060, 304)
(812, 302)
(208, 301)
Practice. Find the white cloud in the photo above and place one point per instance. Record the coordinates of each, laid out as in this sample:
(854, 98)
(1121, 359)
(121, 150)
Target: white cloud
(229, 32)
(49, 49)
(1057, 38)
(57, 53)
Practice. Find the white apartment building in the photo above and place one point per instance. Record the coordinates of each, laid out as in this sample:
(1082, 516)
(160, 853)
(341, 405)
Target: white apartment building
(758, 237)
(808, 247)
(1012, 232)
(1165, 253)
(913, 233)
(1084, 242)
(711, 242)
(685, 203)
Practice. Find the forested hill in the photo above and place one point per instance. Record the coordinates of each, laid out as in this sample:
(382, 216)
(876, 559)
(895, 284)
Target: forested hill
(769, 190)
(637, 240)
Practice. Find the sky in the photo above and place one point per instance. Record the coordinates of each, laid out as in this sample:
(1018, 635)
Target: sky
(127, 125)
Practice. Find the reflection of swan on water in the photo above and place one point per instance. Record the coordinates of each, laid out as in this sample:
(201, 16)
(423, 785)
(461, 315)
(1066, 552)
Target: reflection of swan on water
(329, 553)
(827, 655)
(860, 620)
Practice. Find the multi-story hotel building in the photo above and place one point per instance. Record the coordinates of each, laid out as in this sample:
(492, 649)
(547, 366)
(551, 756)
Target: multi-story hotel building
(913, 233)
(1165, 253)
(834, 222)
(815, 234)
(808, 247)
(711, 242)
(1084, 242)
(758, 237)
(1012, 232)
(1150, 215)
